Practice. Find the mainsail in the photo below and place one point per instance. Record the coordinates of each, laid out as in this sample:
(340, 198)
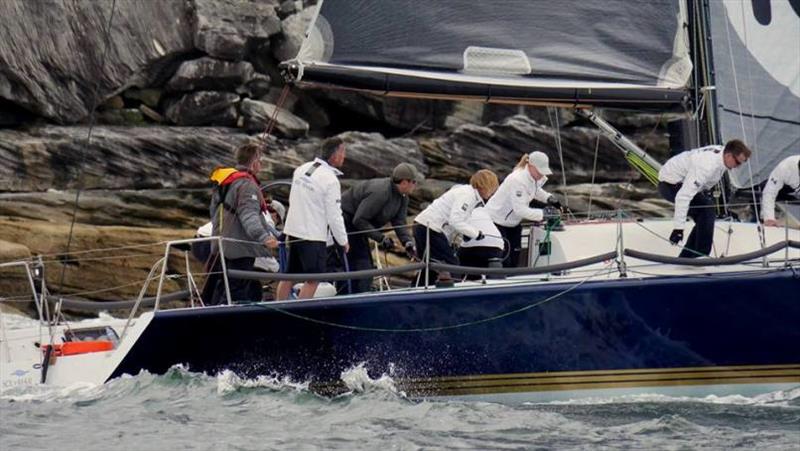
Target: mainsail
(756, 60)
(616, 53)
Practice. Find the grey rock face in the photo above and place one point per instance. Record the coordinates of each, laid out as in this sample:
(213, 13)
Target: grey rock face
(204, 108)
(257, 116)
(53, 157)
(51, 53)
(210, 74)
(499, 147)
(371, 155)
(224, 28)
(294, 29)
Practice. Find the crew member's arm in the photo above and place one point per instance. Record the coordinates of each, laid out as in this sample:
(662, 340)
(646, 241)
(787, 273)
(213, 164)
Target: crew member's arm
(459, 215)
(542, 195)
(399, 223)
(769, 194)
(692, 184)
(333, 212)
(369, 208)
(521, 205)
(248, 209)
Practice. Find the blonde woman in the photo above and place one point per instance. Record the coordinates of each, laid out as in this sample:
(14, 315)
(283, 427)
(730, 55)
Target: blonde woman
(511, 204)
(449, 216)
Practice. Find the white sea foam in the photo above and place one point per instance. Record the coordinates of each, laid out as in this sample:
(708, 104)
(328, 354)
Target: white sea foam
(229, 382)
(777, 398)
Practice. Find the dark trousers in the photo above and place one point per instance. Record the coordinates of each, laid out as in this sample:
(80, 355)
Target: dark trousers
(513, 241)
(440, 251)
(701, 210)
(478, 257)
(242, 290)
(359, 258)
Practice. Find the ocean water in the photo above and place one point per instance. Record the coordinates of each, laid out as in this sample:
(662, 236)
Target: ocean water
(185, 410)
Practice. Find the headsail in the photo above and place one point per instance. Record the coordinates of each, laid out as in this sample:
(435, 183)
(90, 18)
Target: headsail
(756, 59)
(620, 53)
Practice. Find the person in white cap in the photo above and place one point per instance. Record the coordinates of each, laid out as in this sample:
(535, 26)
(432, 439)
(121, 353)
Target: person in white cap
(511, 203)
(783, 184)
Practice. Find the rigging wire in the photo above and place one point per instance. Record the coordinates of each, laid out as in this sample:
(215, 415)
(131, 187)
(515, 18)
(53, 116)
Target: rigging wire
(762, 239)
(92, 118)
(556, 128)
(594, 172)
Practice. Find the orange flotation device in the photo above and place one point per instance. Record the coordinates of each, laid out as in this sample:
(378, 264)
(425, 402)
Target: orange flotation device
(80, 347)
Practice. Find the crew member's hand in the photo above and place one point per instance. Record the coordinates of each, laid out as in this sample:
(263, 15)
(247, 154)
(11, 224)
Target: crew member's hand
(676, 236)
(347, 248)
(480, 236)
(553, 201)
(387, 243)
(271, 242)
(411, 251)
(770, 223)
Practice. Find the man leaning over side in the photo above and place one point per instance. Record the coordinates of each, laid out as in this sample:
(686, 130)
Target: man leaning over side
(783, 184)
(314, 209)
(368, 206)
(685, 179)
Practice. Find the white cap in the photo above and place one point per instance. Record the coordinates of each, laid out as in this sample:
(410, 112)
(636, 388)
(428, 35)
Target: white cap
(540, 160)
(279, 208)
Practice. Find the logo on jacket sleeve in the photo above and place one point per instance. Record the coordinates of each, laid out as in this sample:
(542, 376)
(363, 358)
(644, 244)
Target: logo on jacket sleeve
(697, 184)
(519, 193)
(465, 207)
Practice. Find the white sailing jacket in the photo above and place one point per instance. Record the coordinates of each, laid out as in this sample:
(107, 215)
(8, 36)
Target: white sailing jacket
(511, 203)
(449, 213)
(784, 174)
(315, 203)
(481, 220)
(698, 170)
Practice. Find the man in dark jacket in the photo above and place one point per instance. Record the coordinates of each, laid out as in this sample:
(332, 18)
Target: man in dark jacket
(369, 205)
(238, 212)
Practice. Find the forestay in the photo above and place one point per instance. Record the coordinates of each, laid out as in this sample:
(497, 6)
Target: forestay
(756, 58)
(567, 52)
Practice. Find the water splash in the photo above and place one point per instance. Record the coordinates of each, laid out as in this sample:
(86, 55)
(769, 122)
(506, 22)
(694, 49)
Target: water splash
(357, 380)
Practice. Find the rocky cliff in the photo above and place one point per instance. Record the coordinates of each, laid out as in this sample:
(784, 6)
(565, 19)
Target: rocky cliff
(137, 104)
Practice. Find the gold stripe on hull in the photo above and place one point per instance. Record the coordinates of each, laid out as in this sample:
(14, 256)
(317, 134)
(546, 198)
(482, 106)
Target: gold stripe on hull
(589, 380)
(594, 380)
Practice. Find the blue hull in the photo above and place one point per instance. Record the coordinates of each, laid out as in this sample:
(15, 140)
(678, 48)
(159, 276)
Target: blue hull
(734, 328)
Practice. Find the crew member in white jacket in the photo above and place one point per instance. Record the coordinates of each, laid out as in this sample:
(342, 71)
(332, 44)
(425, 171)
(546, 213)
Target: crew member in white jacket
(511, 204)
(315, 208)
(449, 215)
(480, 253)
(783, 184)
(684, 180)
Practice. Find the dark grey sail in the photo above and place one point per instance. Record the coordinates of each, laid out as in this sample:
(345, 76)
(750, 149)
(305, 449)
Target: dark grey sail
(567, 52)
(756, 60)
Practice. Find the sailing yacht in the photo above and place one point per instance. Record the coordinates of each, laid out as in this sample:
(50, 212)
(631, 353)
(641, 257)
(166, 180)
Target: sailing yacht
(603, 307)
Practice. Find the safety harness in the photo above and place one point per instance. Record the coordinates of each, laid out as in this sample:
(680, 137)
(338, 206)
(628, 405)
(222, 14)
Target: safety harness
(223, 178)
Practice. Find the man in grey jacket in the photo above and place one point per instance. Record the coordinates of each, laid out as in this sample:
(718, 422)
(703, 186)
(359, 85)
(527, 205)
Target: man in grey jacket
(238, 212)
(369, 205)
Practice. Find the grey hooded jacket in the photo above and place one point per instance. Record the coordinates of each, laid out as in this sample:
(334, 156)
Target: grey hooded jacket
(242, 220)
(370, 204)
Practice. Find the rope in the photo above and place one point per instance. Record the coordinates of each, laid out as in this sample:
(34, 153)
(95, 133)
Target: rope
(438, 328)
(88, 140)
(594, 172)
